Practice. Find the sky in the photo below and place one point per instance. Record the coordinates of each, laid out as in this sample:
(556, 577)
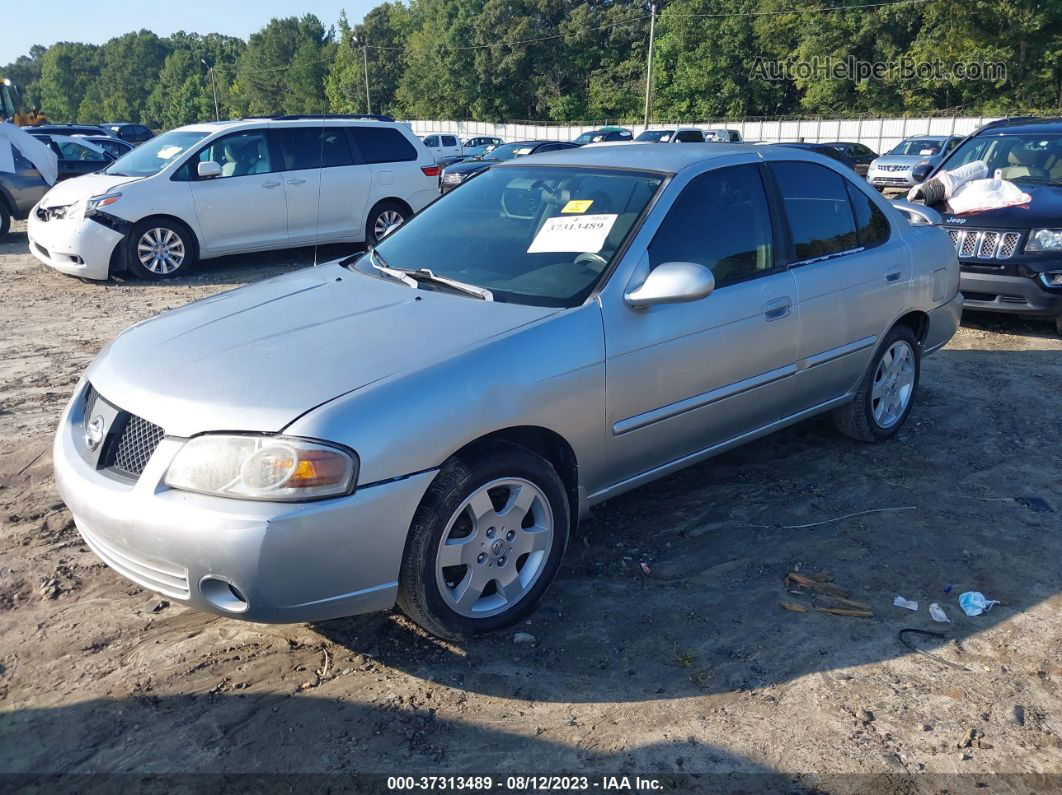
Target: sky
(25, 24)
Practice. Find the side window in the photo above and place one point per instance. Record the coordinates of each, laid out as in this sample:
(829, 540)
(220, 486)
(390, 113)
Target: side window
(239, 154)
(690, 137)
(816, 204)
(872, 227)
(431, 141)
(449, 140)
(951, 144)
(720, 220)
(72, 151)
(312, 147)
(382, 145)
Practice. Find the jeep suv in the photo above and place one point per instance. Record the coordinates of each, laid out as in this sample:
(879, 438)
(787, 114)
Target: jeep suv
(1011, 258)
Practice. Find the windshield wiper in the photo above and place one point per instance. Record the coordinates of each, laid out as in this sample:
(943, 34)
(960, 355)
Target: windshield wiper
(413, 276)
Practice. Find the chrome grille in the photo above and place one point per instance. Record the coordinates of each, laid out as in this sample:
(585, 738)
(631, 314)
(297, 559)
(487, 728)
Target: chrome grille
(90, 401)
(984, 243)
(137, 444)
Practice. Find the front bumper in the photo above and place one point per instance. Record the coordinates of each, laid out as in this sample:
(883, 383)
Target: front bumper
(996, 292)
(890, 179)
(289, 562)
(78, 246)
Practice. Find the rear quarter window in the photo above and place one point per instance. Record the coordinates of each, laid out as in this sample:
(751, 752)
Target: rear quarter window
(382, 145)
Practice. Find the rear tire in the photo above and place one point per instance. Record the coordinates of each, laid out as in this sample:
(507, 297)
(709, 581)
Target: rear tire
(888, 391)
(383, 217)
(5, 221)
(485, 543)
(1058, 325)
(158, 248)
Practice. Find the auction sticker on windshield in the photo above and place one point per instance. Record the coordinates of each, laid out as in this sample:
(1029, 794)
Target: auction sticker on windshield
(584, 234)
(577, 206)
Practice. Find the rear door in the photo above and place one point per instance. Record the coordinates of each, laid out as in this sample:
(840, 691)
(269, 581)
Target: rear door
(392, 162)
(326, 189)
(682, 378)
(851, 276)
(245, 208)
(76, 160)
(449, 146)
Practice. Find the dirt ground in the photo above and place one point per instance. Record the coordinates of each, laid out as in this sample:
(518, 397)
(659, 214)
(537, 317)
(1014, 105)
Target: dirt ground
(693, 667)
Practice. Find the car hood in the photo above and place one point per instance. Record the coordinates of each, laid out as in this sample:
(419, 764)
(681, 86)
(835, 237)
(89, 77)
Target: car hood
(900, 160)
(81, 188)
(1044, 210)
(258, 357)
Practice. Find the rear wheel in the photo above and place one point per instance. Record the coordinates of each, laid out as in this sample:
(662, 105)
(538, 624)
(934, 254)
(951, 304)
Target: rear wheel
(5, 221)
(383, 219)
(485, 543)
(160, 249)
(1058, 325)
(887, 393)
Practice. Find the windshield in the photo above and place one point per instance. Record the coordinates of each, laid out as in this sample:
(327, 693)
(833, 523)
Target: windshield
(531, 235)
(590, 138)
(655, 136)
(153, 156)
(917, 147)
(509, 151)
(1031, 157)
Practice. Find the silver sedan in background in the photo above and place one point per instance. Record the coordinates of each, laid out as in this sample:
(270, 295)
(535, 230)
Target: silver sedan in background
(426, 423)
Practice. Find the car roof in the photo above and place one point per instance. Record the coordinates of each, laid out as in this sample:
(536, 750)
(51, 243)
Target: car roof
(255, 123)
(642, 156)
(1021, 125)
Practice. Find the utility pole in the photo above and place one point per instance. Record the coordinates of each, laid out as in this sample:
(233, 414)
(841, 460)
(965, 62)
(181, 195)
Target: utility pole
(649, 65)
(214, 86)
(365, 69)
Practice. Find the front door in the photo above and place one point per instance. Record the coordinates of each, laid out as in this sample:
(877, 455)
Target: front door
(245, 208)
(683, 378)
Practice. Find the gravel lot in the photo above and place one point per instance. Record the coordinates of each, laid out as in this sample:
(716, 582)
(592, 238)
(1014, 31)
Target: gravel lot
(692, 667)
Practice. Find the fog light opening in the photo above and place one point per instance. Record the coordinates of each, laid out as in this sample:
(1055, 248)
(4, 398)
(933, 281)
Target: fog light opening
(223, 595)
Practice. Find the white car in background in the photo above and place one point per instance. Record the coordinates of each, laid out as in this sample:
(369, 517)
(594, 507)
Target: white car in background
(672, 135)
(207, 190)
(443, 145)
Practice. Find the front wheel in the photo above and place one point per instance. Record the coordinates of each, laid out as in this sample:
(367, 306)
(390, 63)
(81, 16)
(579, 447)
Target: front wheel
(485, 543)
(160, 249)
(887, 393)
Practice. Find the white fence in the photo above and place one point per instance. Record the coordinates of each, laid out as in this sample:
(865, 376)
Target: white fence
(879, 134)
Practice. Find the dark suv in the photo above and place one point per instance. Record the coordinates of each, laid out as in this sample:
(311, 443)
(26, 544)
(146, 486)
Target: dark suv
(133, 133)
(1012, 258)
(19, 191)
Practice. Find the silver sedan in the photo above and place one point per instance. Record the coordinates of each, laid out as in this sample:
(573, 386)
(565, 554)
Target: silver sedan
(426, 423)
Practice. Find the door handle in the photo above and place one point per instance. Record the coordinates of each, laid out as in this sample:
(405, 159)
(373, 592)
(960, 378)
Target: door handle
(893, 276)
(778, 308)
(296, 181)
(271, 184)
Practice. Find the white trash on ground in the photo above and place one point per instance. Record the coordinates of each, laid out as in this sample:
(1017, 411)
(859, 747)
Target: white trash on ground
(899, 601)
(936, 612)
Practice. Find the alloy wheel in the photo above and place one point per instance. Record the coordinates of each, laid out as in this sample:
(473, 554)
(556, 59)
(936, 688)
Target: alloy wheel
(494, 548)
(386, 222)
(893, 386)
(161, 250)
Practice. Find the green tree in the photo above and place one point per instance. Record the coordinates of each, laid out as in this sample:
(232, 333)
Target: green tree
(283, 68)
(385, 30)
(68, 69)
(129, 72)
(25, 72)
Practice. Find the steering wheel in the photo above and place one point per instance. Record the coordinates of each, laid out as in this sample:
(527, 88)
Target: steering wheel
(591, 258)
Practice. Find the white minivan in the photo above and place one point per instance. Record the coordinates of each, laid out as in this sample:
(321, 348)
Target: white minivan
(207, 190)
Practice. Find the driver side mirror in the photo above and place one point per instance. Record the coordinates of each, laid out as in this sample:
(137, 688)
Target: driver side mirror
(209, 169)
(672, 283)
(921, 171)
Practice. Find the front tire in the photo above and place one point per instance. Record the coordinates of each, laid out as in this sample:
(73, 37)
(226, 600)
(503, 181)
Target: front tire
(888, 391)
(485, 543)
(160, 249)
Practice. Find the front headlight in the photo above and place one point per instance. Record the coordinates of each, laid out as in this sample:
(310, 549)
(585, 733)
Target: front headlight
(1051, 278)
(1045, 240)
(260, 467)
(98, 202)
